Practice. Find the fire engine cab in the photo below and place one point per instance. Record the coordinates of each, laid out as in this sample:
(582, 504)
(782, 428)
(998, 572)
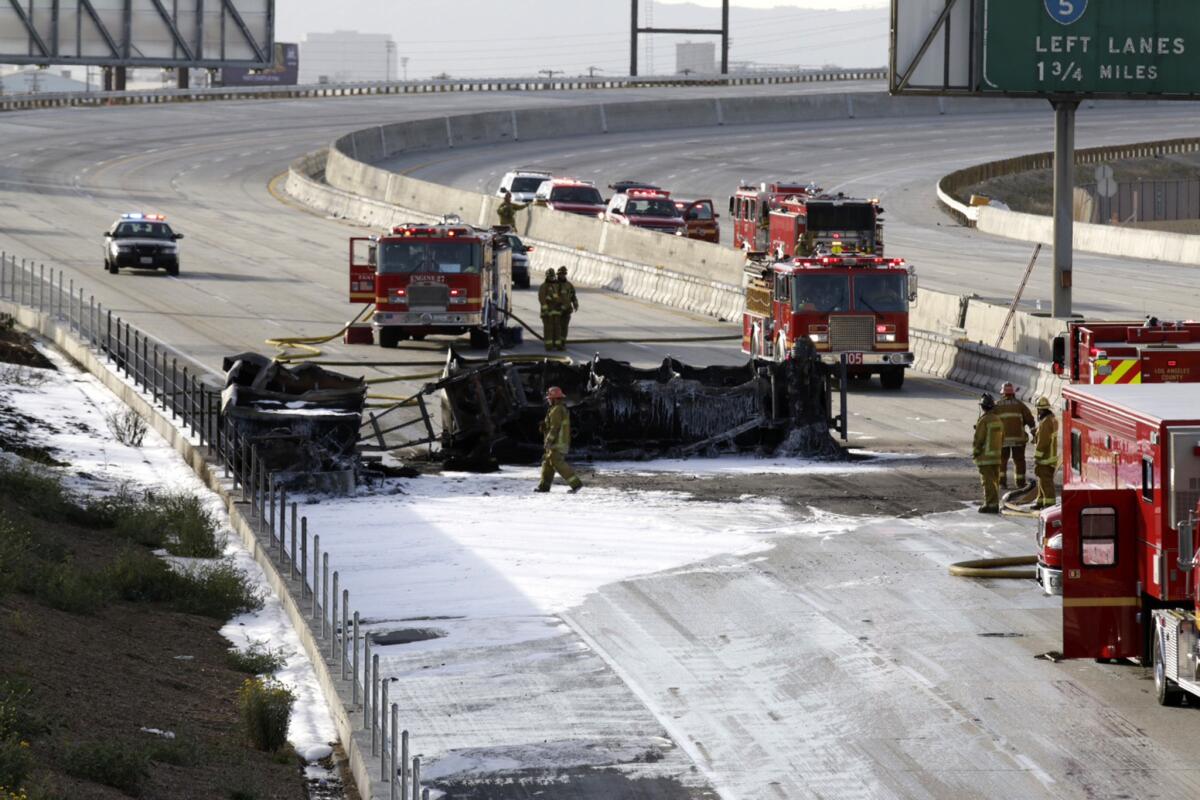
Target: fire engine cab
(789, 220)
(1114, 353)
(854, 306)
(442, 278)
(1130, 487)
(1129, 352)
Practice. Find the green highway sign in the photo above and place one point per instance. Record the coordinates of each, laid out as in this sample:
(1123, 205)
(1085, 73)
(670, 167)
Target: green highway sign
(1135, 48)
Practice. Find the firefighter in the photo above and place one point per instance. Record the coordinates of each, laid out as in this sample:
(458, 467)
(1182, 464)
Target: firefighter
(989, 442)
(1045, 454)
(507, 211)
(556, 433)
(1016, 417)
(569, 303)
(551, 310)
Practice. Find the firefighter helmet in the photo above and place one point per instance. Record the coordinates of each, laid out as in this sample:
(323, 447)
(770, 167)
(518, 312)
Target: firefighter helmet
(987, 402)
(554, 393)
(550, 273)
(1008, 390)
(562, 271)
(1043, 404)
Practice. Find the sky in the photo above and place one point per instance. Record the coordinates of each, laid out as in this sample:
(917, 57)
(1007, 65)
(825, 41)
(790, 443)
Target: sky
(475, 38)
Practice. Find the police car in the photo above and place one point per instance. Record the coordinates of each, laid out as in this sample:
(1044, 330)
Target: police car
(143, 241)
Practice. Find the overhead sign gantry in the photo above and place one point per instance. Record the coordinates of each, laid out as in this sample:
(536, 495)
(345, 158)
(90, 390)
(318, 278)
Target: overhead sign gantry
(133, 33)
(1059, 50)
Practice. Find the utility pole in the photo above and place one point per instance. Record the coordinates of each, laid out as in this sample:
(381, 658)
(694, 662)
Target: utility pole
(550, 73)
(404, 66)
(593, 70)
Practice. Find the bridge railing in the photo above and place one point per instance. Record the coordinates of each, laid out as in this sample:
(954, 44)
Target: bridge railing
(20, 102)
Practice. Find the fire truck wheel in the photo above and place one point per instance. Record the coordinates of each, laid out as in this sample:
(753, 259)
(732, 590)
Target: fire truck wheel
(1167, 692)
(389, 337)
(479, 338)
(892, 377)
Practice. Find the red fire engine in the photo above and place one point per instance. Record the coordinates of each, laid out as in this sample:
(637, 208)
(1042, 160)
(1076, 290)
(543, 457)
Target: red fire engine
(1129, 352)
(789, 219)
(852, 305)
(1114, 352)
(1131, 483)
(441, 278)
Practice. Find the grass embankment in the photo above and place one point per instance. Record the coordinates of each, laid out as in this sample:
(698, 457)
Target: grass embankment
(1033, 192)
(115, 680)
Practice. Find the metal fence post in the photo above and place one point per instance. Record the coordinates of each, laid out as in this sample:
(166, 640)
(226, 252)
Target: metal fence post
(324, 591)
(303, 556)
(395, 723)
(71, 322)
(253, 477)
(271, 493)
(79, 316)
(345, 625)
(366, 681)
(174, 386)
(92, 319)
(374, 690)
(354, 664)
(404, 765)
(292, 558)
(333, 621)
(383, 730)
(416, 773)
(41, 304)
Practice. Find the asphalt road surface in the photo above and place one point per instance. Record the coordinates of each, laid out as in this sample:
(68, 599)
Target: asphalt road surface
(839, 666)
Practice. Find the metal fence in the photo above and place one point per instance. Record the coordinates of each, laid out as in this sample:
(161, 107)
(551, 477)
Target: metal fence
(52, 100)
(1146, 201)
(191, 394)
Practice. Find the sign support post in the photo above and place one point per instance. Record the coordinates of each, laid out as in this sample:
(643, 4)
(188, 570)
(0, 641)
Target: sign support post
(1064, 204)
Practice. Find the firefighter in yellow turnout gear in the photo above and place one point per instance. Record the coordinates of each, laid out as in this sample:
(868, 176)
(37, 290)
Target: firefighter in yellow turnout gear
(986, 452)
(551, 307)
(1016, 417)
(507, 211)
(1045, 454)
(570, 304)
(556, 433)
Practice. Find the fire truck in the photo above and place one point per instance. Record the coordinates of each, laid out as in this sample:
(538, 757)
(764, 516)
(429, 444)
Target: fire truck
(1131, 485)
(1114, 353)
(1129, 352)
(789, 220)
(848, 305)
(441, 278)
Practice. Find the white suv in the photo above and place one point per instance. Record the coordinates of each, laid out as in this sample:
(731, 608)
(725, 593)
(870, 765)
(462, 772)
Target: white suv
(523, 183)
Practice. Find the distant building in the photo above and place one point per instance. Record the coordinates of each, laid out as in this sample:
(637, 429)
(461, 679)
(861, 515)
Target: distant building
(31, 80)
(696, 58)
(347, 57)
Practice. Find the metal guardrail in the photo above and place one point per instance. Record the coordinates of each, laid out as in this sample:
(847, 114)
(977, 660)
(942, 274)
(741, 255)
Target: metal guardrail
(191, 394)
(152, 97)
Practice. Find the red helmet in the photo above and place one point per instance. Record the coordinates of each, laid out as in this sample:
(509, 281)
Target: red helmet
(1008, 390)
(555, 393)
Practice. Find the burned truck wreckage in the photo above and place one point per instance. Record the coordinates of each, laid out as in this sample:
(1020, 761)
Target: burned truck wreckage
(491, 410)
(302, 421)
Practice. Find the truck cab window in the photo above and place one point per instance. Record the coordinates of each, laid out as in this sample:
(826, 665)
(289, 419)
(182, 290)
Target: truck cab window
(1148, 480)
(1098, 536)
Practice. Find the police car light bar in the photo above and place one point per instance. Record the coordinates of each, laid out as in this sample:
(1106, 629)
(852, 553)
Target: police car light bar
(147, 217)
(649, 193)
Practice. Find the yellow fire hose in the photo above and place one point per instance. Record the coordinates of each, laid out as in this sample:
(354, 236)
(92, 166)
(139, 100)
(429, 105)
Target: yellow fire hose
(995, 568)
(305, 343)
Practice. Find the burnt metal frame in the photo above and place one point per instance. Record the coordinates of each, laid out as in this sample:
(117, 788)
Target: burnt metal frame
(122, 50)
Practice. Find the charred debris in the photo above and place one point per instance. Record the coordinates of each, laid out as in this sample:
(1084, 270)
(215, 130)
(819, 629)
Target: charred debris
(490, 410)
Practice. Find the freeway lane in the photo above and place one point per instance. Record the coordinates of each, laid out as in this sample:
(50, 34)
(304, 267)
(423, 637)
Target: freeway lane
(897, 160)
(760, 668)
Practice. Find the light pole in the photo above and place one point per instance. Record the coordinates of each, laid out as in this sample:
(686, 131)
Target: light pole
(404, 66)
